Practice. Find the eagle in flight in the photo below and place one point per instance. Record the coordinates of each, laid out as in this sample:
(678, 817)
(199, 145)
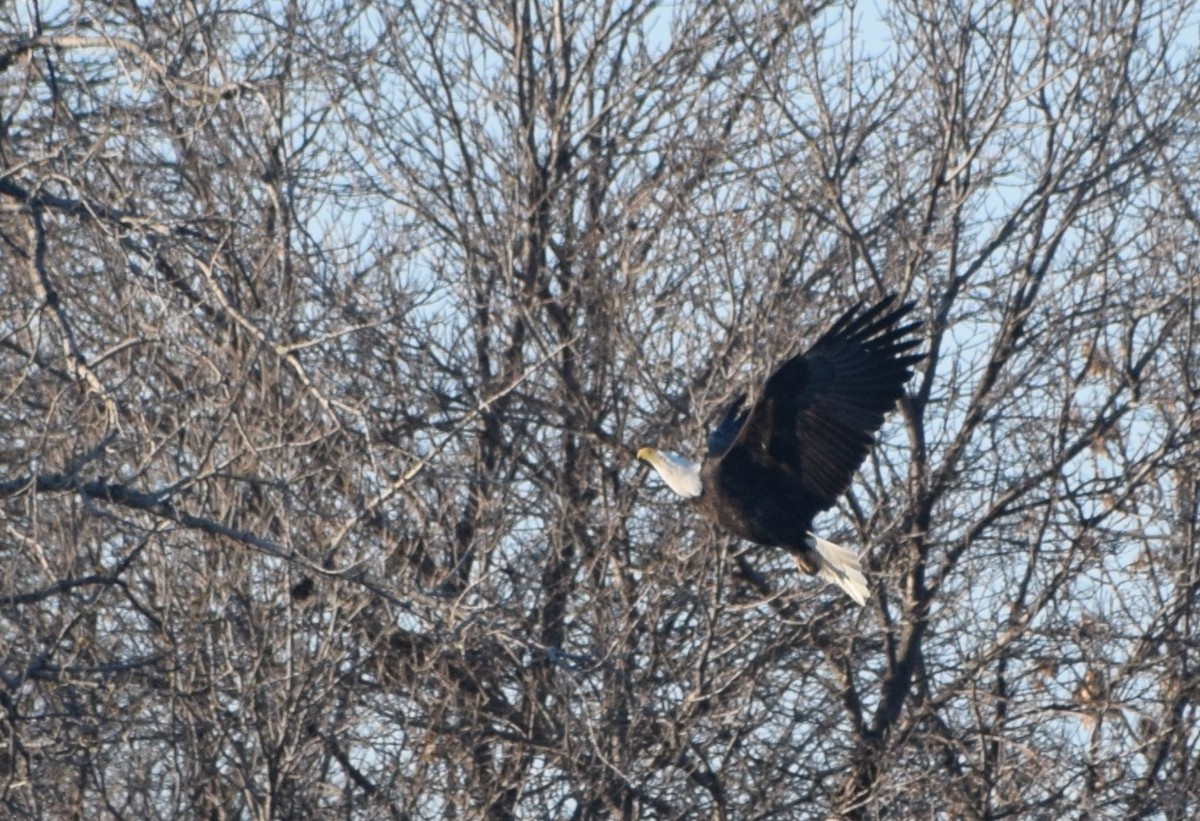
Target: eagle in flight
(772, 467)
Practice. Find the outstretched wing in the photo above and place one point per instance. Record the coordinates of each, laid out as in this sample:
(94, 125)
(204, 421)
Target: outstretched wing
(819, 412)
(724, 434)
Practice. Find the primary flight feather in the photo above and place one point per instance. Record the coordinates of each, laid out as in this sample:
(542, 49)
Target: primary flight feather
(771, 468)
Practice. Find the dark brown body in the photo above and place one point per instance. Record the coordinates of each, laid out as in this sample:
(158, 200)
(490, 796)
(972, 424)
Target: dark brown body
(762, 502)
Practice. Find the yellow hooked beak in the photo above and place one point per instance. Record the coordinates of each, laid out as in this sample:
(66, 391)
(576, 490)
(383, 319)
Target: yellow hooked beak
(647, 455)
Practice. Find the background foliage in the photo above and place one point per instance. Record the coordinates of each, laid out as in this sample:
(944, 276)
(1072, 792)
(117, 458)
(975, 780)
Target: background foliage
(328, 331)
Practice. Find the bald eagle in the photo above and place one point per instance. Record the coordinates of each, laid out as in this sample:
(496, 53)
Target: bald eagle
(771, 468)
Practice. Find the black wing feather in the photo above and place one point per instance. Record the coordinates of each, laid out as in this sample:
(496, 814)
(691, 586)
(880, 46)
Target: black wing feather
(819, 411)
(723, 435)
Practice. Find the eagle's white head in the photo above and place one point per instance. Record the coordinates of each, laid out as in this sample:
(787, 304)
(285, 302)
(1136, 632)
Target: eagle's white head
(681, 475)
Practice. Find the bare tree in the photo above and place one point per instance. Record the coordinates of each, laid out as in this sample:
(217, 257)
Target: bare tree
(328, 331)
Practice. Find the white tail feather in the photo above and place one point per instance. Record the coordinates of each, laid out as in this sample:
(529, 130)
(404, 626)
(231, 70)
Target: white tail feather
(839, 565)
